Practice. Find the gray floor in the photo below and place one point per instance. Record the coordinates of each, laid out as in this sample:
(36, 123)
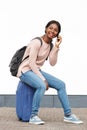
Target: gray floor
(52, 116)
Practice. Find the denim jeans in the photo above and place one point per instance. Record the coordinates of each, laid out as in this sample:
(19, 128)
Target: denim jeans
(36, 82)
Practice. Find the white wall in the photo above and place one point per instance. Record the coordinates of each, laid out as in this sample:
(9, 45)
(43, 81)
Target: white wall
(21, 20)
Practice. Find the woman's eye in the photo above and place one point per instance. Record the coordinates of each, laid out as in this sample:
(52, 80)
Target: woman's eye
(51, 28)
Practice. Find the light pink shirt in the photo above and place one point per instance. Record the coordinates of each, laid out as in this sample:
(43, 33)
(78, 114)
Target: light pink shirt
(37, 56)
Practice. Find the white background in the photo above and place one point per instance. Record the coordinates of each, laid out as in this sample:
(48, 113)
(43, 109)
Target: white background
(21, 20)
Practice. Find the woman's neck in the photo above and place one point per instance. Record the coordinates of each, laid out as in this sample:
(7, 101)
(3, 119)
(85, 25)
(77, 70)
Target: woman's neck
(46, 39)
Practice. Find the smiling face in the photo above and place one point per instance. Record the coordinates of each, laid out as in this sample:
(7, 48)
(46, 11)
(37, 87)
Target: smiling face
(52, 31)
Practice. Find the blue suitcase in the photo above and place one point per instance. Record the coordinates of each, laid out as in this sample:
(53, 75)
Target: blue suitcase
(24, 98)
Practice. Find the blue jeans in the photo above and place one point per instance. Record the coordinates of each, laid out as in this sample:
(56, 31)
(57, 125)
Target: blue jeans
(36, 82)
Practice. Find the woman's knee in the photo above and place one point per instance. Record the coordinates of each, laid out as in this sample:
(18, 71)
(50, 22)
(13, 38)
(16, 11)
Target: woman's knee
(62, 85)
(43, 87)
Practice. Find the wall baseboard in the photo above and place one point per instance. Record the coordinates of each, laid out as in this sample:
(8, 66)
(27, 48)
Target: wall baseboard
(76, 101)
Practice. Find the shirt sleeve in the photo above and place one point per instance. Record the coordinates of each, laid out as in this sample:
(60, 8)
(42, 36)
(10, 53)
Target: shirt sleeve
(53, 56)
(33, 56)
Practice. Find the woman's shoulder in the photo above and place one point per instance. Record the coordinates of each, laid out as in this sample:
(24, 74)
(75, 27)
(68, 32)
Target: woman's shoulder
(38, 42)
(35, 42)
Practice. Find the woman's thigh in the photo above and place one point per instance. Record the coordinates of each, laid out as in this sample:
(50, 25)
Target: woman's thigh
(32, 79)
(53, 81)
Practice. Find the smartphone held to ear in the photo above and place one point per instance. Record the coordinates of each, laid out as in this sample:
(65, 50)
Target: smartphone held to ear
(58, 41)
(59, 38)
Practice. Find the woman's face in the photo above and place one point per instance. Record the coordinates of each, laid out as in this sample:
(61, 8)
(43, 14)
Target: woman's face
(52, 31)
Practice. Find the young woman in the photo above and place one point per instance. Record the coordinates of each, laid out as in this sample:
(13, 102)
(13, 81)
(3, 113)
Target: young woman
(30, 72)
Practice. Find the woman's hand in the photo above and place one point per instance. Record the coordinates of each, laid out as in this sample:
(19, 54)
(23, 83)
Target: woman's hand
(58, 41)
(46, 83)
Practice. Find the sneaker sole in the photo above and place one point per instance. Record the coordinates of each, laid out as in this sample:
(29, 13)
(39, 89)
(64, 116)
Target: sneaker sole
(79, 122)
(37, 123)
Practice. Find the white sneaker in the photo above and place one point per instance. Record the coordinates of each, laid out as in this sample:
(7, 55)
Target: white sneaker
(73, 119)
(36, 120)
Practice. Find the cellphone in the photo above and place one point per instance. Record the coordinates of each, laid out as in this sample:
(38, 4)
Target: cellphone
(58, 39)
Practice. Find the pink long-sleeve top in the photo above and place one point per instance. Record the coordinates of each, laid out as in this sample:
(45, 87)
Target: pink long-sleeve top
(37, 56)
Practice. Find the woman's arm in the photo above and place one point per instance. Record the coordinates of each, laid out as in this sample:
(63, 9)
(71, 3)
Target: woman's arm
(54, 52)
(33, 57)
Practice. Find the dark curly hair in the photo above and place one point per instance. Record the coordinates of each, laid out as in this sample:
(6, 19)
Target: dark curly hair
(57, 23)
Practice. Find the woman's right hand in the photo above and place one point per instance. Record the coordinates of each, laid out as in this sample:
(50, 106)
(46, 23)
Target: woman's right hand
(46, 83)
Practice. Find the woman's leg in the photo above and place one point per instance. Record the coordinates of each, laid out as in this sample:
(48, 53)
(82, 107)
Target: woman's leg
(59, 85)
(34, 81)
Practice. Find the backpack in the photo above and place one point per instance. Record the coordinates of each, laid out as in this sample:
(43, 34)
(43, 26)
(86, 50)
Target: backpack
(17, 58)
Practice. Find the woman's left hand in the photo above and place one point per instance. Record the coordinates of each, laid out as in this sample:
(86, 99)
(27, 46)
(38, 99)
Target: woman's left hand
(47, 86)
(58, 41)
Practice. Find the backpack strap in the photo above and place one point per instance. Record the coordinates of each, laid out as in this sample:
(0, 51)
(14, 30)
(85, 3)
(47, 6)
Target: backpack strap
(38, 39)
(51, 46)
(24, 58)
